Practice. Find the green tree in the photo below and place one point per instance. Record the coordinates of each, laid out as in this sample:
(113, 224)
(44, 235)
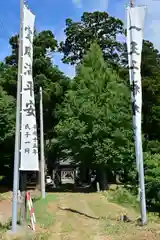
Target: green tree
(151, 90)
(45, 74)
(7, 116)
(96, 26)
(7, 127)
(53, 81)
(152, 181)
(95, 120)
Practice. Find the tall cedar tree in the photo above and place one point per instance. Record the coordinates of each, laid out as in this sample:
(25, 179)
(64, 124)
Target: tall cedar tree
(95, 120)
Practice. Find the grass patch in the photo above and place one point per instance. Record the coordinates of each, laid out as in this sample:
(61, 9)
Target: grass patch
(44, 217)
(67, 227)
(44, 236)
(4, 228)
(117, 229)
(123, 197)
(2, 197)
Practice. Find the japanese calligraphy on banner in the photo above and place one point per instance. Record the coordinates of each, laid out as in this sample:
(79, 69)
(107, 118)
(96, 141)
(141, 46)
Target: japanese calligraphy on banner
(135, 25)
(29, 143)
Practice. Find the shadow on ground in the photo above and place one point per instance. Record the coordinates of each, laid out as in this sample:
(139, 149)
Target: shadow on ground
(77, 212)
(71, 188)
(5, 184)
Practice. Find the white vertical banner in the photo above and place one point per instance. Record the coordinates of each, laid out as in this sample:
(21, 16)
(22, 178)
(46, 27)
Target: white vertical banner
(29, 142)
(135, 28)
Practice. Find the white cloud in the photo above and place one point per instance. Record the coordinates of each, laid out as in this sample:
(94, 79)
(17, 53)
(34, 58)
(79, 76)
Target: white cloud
(77, 3)
(103, 4)
(97, 5)
(91, 5)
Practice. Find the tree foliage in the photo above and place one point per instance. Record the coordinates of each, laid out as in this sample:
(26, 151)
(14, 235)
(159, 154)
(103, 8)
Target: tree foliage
(53, 82)
(7, 127)
(152, 178)
(49, 77)
(93, 126)
(7, 116)
(79, 36)
(95, 120)
(96, 26)
(150, 71)
(151, 91)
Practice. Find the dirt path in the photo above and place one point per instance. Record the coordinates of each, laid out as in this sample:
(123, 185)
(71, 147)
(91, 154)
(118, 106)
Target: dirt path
(91, 217)
(75, 219)
(87, 216)
(6, 208)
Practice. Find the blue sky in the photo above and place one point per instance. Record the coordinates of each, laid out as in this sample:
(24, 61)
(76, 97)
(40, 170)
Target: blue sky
(51, 14)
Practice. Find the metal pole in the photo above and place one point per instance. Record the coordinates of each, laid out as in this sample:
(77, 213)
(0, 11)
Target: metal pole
(18, 127)
(23, 189)
(142, 188)
(141, 173)
(42, 160)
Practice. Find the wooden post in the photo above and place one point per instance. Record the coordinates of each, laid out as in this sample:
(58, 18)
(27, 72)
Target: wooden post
(98, 187)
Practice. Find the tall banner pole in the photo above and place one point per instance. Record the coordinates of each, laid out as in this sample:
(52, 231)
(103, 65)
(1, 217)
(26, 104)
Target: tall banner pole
(135, 26)
(18, 127)
(29, 142)
(42, 160)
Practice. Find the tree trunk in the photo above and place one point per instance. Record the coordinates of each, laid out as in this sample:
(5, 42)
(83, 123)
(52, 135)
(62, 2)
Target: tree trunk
(38, 180)
(118, 179)
(88, 179)
(83, 173)
(104, 180)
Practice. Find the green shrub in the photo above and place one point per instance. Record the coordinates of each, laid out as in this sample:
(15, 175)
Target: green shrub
(123, 197)
(152, 180)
